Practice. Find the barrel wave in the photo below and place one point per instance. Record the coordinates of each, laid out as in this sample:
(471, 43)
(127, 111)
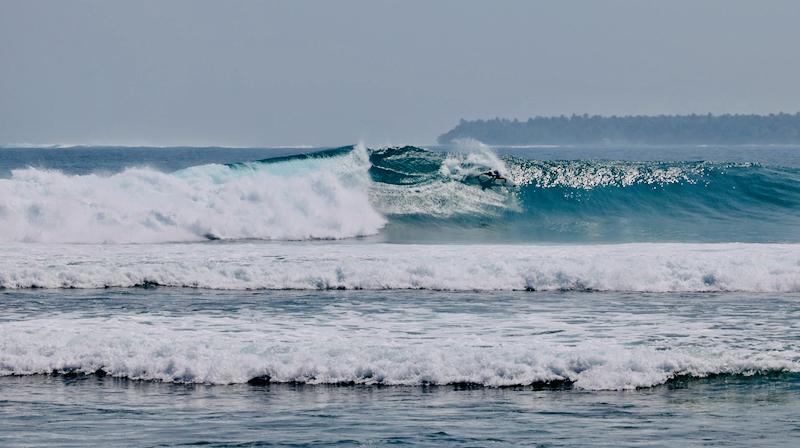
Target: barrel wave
(444, 195)
(409, 194)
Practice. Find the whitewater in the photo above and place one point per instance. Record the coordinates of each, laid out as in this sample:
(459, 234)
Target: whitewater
(380, 339)
(644, 267)
(206, 202)
(400, 286)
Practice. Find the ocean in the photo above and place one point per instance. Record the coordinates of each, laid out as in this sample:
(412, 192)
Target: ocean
(600, 296)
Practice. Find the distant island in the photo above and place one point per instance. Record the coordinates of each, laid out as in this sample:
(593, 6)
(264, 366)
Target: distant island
(653, 130)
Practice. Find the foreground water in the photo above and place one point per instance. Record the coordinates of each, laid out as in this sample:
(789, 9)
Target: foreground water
(80, 411)
(711, 368)
(642, 296)
(691, 369)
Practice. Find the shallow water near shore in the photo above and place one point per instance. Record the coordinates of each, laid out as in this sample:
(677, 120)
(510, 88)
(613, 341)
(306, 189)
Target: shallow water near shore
(735, 411)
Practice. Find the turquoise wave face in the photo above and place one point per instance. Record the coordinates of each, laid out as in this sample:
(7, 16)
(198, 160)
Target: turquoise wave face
(441, 196)
(702, 202)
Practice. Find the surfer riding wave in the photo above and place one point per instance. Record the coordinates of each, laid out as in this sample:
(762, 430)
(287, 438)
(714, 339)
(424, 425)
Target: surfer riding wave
(495, 175)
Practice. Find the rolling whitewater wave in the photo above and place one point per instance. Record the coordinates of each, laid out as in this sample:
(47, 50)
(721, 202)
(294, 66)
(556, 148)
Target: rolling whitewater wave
(758, 268)
(408, 194)
(320, 196)
(392, 347)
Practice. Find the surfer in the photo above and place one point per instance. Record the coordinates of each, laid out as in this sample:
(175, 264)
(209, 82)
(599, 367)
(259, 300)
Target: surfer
(494, 174)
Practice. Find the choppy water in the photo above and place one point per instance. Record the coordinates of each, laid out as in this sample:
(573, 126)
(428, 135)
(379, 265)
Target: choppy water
(396, 295)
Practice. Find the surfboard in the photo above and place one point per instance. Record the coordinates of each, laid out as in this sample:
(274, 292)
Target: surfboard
(506, 182)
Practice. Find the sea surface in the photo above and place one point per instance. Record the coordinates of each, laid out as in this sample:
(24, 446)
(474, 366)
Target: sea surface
(358, 296)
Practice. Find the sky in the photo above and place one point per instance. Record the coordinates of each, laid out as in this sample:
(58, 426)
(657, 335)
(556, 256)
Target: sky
(329, 73)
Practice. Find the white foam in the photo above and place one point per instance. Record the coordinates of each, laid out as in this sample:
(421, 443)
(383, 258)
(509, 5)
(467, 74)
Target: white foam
(442, 200)
(236, 266)
(398, 346)
(470, 159)
(588, 175)
(326, 199)
(445, 195)
(39, 145)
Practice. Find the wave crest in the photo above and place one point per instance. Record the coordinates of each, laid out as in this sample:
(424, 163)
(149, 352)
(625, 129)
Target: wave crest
(222, 350)
(327, 199)
(241, 266)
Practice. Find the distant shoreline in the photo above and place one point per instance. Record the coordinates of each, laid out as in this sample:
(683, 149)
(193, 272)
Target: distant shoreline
(782, 129)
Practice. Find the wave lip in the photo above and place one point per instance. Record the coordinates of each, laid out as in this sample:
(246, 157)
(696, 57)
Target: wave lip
(601, 201)
(242, 266)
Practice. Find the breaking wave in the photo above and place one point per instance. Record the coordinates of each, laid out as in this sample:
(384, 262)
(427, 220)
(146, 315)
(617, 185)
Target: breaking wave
(242, 266)
(408, 194)
(323, 196)
(384, 350)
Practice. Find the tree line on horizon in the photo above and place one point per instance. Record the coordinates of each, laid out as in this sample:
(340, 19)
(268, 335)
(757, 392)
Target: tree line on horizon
(728, 129)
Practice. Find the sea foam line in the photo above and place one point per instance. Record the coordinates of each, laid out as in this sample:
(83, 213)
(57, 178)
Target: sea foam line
(285, 348)
(240, 266)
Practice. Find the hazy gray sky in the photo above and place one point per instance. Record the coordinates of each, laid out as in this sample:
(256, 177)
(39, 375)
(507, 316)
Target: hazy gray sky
(267, 73)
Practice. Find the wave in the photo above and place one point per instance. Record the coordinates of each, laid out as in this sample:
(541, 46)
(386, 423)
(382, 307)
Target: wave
(316, 197)
(281, 349)
(582, 201)
(247, 266)
(409, 194)
(40, 146)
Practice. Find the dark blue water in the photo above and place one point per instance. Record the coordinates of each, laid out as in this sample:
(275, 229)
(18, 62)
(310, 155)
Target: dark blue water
(773, 155)
(108, 160)
(85, 160)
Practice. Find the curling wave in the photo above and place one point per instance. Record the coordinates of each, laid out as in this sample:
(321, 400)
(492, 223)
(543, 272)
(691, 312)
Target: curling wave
(409, 194)
(445, 196)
